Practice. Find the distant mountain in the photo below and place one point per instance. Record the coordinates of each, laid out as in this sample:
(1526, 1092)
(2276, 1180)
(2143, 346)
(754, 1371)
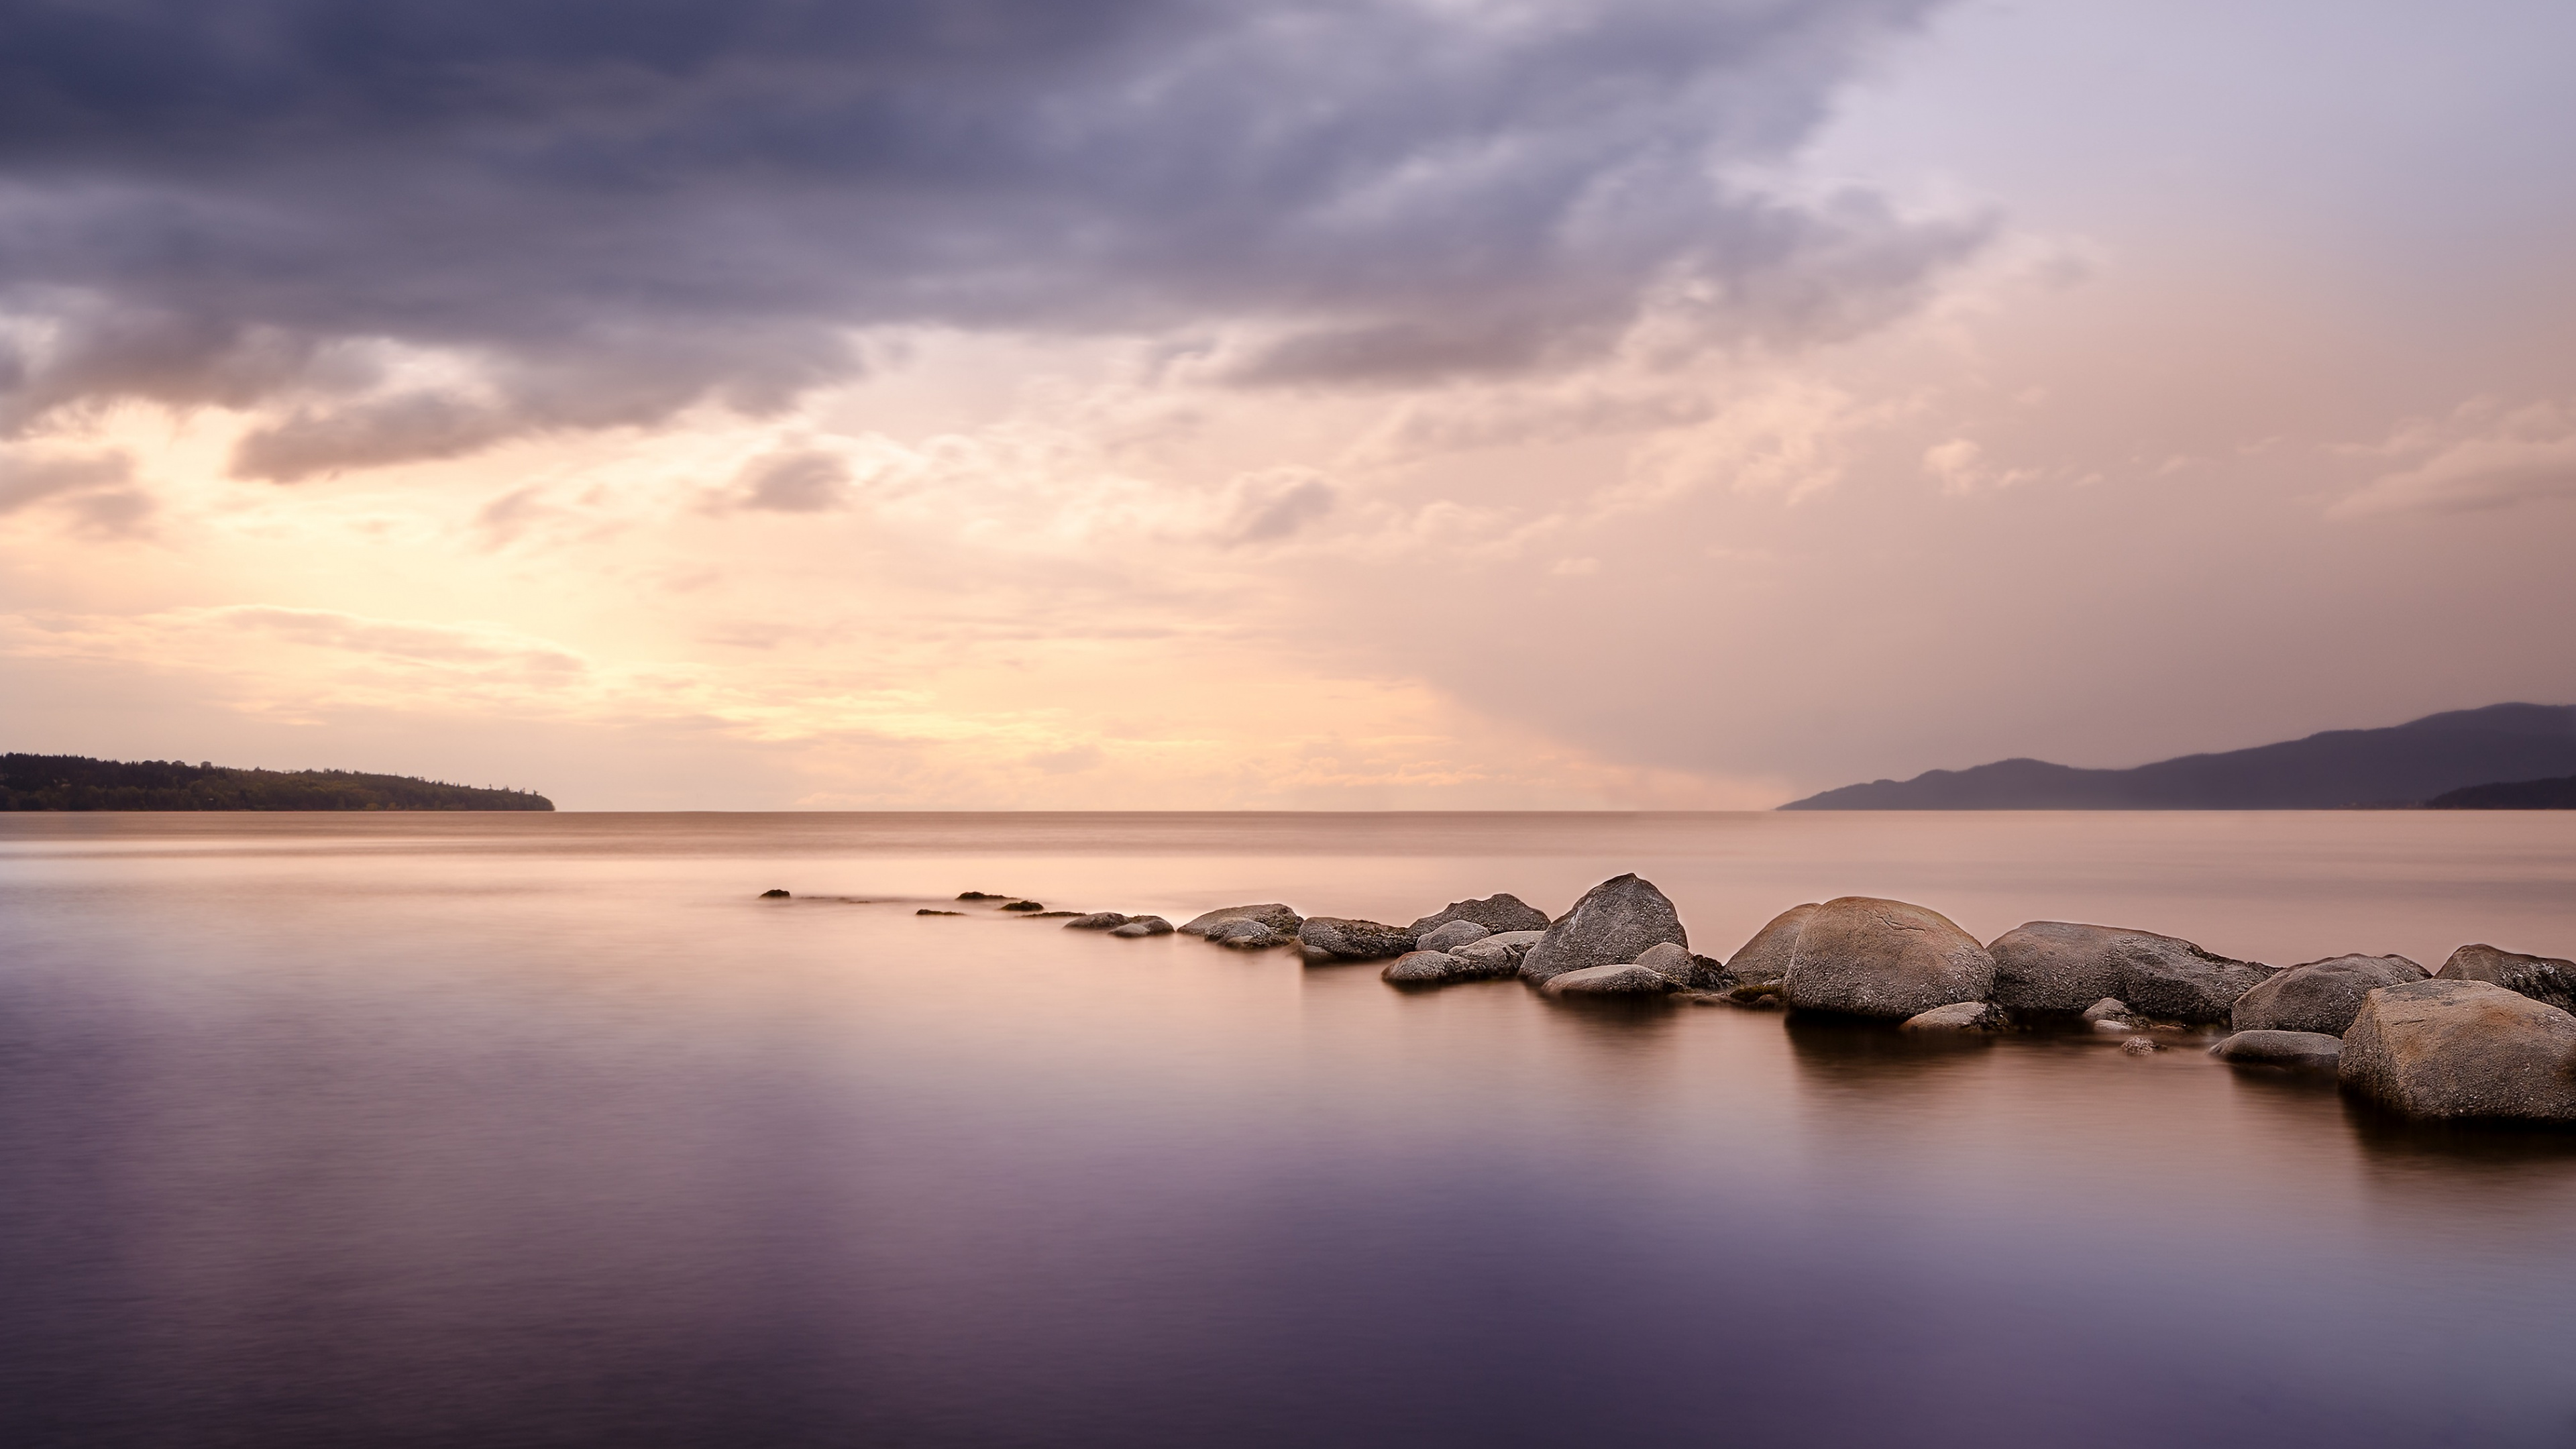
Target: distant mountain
(2402, 765)
(75, 782)
(2511, 795)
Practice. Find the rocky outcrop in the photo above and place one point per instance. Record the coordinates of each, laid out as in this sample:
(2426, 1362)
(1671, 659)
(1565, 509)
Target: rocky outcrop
(1098, 921)
(1327, 939)
(2320, 995)
(1622, 979)
(1144, 926)
(2059, 966)
(1860, 956)
(2462, 1049)
(2546, 979)
(1498, 913)
(1440, 968)
(1614, 924)
(1246, 934)
(1973, 1016)
(1272, 914)
(2311, 1051)
(1450, 935)
(1764, 960)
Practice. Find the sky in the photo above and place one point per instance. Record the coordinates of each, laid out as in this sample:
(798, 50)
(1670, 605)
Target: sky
(1348, 404)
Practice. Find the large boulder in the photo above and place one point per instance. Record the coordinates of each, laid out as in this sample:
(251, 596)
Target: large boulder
(1612, 925)
(1098, 921)
(1246, 934)
(2319, 995)
(2295, 1050)
(2542, 978)
(1860, 956)
(1274, 915)
(1764, 960)
(1674, 963)
(1450, 935)
(2462, 1049)
(2059, 966)
(1498, 913)
(1439, 968)
(1626, 978)
(1326, 939)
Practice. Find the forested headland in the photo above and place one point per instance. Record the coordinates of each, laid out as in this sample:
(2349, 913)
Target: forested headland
(76, 782)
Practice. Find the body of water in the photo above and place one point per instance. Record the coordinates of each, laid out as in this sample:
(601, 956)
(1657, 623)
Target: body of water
(543, 1130)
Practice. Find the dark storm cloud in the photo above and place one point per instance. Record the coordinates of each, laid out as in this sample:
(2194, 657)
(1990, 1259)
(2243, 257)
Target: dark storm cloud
(618, 208)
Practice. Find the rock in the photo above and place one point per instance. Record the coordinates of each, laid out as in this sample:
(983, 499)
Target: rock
(1325, 939)
(1498, 913)
(1024, 906)
(1274, 915)
(2542, 978)
(1246, 934)
(1708, 973)
(1764, 960)
(2296, 1050)
(1673, 963)
(2138, 1046)
(2059, 966)
(2114, 1024)
(980, 896)
(1499, 954)
(1860, 956)
(1051, 915)
(773, 895)
(1450, 935)
(2448, 1048)
(1439, 968)
(1620, 979)
(926, 911)
(1144, 926)
(1757, 995)
(2320, 995)
(2107, 1009)
(1612, 925)
(1957, 1016)
(1097, 921)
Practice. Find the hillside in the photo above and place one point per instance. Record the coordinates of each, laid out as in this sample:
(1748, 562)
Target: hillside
(2404, 764)
(2559, 794)
(75, 782)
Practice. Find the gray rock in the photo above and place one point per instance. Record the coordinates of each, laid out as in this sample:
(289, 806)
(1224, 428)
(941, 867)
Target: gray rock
(1326, 939)
(1025, 906)
(1673, 963)
(1450, 935)
(1144, 926)
(2542, 978)
(2296, 1050)
(774, 894)
(1860, 956)
(2462, 1049)
(1246, 934)
(1272, 914)
(2138, 1046)
(1618, 979)
(2109, 1008)
(2059, 966)
(1612, 925)
(1957, 1016)
(2320, 995)
(1098, 921)
(1500, 954)
(1764, 960)
(1498, 913)
(1439, 968)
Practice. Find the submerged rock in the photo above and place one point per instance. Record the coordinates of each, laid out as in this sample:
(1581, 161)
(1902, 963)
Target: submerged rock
(2295, 1050)
(2060, 966)
(980, 896)
(2138, 1046)
(1245, 934)
(2546, 979)
(1861, 956)
(1499, 912)
(2320, 995)
(927, 911)
(1144, 926)
(1958, 1016)
(1440, 968)
(2454, 1049)
(1623, 979)
(1764, 960)
(1326, 939)
(1024, 906)
(1097, 921)
(1450, 935)
(773, 895)
(1614, 923)
(1272, 914)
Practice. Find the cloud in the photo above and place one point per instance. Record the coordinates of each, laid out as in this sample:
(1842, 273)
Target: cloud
(1268, 506)
(801, 481)
(590, 216)
(2481, 457)
(95, 489)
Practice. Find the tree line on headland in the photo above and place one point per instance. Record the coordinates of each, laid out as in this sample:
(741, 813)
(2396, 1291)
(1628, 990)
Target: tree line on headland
(76, 782)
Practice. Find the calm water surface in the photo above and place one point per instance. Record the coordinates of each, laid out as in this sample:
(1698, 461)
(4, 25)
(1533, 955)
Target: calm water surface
(540, 1130)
